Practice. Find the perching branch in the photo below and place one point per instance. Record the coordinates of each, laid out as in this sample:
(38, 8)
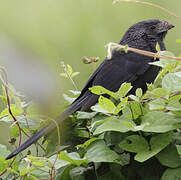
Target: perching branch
(114, 46)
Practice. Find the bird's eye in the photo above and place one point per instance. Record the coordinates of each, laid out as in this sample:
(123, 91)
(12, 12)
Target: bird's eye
(152, 27)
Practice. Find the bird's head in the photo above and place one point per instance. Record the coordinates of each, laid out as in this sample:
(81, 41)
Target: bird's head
(150, 31)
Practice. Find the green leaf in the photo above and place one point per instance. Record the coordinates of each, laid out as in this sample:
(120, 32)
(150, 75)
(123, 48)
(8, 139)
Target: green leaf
(101, 90)
(69, 69)
(168, 61)
(139, 92)
(64, 173)
(31, 177)
(58, 163)
(99, 152)
(106, 104)
(174, 104)
(159, 142)
(98, 108)
(72, 158)
(32, 122)
(157, 104)
(3, 164)
(165, 62)
(25, 171)
(39, 161)
(169, 157)
(64, 75)
(120, 124)
(68, 99)
(172, 174)
(75, 74)
(83, 133)
(124, 89)
(157, 47)
(178, 149)
(121, 105)
(85, 115)
(77, 173)
(133, 97)
(87, 143)
(161, 74)
(134, 143)
(10, 169)
(172, 82)
(135, 108)
(159, 92)
(139, 145)
(16, 111)
(75, 93)
(156, 63)
(113, 138)
(14, 131)
(42, 166)
(97, 120)
(4, 152)
(160, 122)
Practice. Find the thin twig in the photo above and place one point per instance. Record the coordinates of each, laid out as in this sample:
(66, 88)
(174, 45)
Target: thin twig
(24, 113)
(10, 112)
(36, 145)
(5, 170)
(69, 75)
(53, 169)
(76, 88)
(112, 46)
(42, 170)
(150, 4)
(36, 142)
(4, 80)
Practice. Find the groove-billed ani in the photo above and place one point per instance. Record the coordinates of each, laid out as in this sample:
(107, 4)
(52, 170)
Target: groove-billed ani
(122, 67)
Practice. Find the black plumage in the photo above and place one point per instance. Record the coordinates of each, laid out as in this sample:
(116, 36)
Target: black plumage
(122, 67)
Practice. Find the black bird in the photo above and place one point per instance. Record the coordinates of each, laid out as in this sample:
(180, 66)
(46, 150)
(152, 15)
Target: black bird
(122, 67)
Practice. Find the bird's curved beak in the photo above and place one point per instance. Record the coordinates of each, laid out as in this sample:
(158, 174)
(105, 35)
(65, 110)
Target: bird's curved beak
(170, 26)
(165, 26)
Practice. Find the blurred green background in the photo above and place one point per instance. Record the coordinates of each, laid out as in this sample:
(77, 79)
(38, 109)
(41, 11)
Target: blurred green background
(67, 30)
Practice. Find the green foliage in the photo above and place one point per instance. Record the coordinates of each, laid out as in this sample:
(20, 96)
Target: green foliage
(125, 134)
(97, 151)
(139, 145)
(172, 174)
(169, 157)
(73, 158)
(68, 71)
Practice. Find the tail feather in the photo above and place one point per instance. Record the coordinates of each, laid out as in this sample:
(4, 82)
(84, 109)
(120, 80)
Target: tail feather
(30, 141)
(47, 129)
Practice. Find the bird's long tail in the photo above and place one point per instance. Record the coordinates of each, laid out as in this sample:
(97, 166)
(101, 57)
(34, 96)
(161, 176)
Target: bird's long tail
(47, 129)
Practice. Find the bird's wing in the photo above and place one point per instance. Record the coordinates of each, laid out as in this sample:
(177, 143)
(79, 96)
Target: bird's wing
(122, 67)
